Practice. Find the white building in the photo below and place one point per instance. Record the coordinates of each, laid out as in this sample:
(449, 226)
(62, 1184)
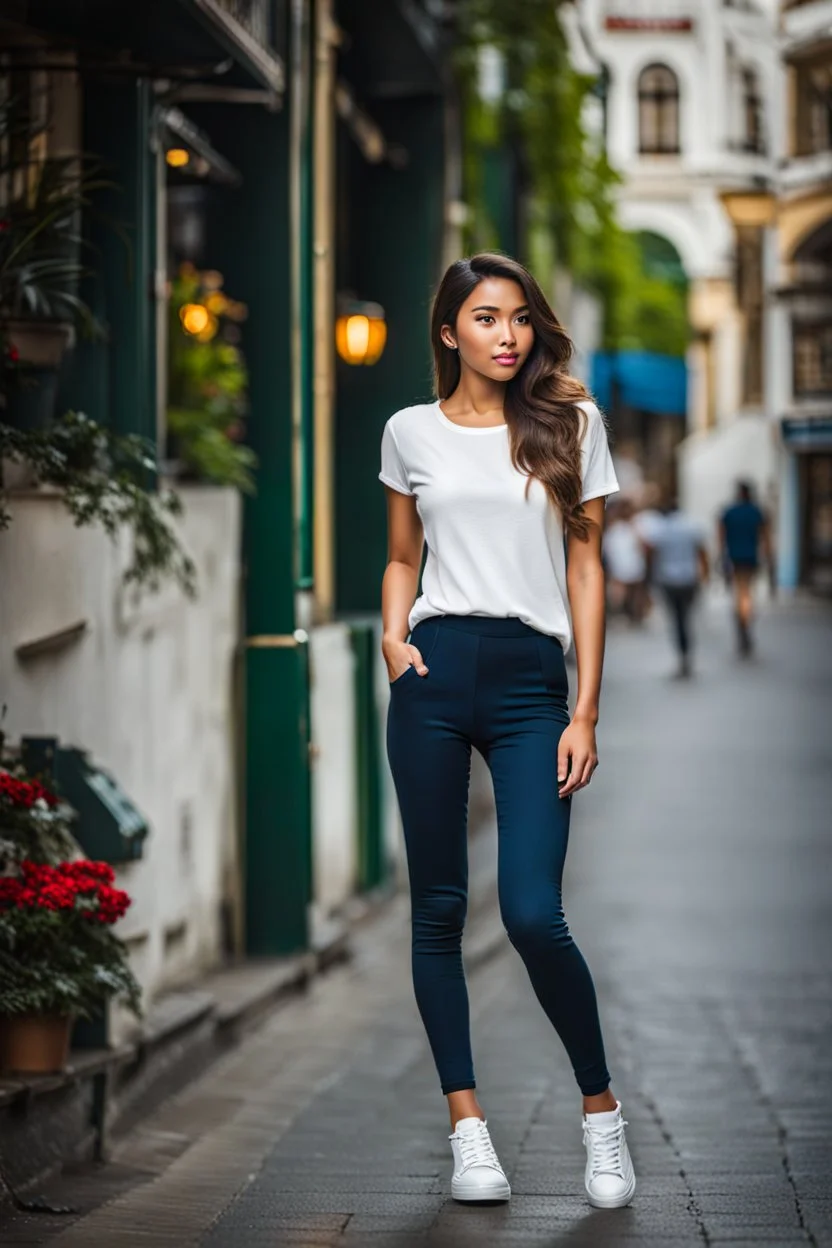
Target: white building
(692, 87)
(145, 686)
(799, 298)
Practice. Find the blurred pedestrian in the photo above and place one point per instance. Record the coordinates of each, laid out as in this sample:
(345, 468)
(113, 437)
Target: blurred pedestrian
(647, 518)
(679, 565)
(511, 458)
(626, 562)
(648, 515)
(745, 536)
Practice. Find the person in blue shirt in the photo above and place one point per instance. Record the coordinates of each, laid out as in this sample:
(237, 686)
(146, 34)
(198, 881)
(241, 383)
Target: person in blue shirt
(745, 538)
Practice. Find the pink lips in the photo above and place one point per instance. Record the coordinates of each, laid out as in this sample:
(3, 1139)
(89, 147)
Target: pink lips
(508, 360)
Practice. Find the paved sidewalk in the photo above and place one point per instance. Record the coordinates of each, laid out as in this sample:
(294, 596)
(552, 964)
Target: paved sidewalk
(699, 889)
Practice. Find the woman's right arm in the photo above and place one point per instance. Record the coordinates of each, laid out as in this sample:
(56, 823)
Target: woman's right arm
(405, 542)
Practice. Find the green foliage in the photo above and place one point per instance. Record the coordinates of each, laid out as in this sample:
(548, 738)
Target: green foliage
(52, 963)
(40, 239)
(210, 452)
(645, 306)
(39, 834)
(542, 112)
(103, 478)
(569, 186)
(208, 381)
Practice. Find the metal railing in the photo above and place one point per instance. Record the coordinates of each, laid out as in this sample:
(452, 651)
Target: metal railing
(253, 15)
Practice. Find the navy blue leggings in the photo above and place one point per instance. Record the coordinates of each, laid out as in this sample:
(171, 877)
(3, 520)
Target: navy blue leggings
(501, 686)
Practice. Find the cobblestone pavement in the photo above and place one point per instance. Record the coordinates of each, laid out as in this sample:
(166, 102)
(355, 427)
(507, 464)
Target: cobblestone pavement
(699, 889)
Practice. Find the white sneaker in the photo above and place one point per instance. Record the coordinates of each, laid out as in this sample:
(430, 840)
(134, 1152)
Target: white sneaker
(478, 1174)
(610, 1179)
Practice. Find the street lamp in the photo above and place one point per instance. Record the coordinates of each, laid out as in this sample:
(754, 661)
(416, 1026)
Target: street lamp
(361, 332)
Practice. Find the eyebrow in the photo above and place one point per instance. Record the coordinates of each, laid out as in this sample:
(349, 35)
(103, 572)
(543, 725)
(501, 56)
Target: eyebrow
(524, 307)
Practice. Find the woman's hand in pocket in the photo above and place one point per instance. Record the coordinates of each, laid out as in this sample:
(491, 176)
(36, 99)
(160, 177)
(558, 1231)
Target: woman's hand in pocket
(399, 656)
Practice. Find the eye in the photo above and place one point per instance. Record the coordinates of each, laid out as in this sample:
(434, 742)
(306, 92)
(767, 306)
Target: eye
(486, 319)
(523, 318)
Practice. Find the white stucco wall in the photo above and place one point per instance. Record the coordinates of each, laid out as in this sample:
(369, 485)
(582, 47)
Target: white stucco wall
(334, 774)
(710, 464)
(392, 824)
(148, 690)
(677, 196)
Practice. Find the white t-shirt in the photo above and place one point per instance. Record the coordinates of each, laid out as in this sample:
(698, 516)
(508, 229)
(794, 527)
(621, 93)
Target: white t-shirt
(623, 552)
(491, 550)
(677, 541)
(647, 523)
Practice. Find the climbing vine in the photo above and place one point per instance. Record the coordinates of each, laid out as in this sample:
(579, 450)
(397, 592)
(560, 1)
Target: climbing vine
(539, 119)
(535, 170)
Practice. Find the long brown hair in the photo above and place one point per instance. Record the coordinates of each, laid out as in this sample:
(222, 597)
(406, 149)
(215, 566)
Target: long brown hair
(545, 425)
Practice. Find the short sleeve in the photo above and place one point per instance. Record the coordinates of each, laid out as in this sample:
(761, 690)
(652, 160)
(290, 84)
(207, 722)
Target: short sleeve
(393, 471)
(599, 477)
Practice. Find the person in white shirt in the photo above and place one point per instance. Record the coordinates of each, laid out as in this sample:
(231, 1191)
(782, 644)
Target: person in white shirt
(503, 476)
(679, 564)
(626, 563)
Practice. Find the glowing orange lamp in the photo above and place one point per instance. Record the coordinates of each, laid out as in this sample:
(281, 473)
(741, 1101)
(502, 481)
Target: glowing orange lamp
(361, 333)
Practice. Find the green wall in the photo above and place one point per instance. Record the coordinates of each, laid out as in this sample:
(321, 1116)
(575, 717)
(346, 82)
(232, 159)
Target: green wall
(114, 381)
(250, 243)
(390, 240)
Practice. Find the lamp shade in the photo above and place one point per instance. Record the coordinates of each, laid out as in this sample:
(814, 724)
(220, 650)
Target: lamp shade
(361, 333)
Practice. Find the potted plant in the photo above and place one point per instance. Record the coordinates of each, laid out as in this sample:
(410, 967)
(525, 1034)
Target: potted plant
(208, 381)
(40, 265)
(34, 823)
(104, 479)
(59, 958)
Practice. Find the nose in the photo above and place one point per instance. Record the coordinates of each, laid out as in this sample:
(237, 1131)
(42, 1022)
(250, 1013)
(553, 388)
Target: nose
(507, 338)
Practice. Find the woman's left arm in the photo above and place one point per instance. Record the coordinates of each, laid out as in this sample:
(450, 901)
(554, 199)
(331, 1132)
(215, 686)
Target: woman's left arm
(577, 751)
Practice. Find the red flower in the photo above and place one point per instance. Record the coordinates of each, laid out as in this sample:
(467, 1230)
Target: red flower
(40, 887)
(13, 354)
(24, 792)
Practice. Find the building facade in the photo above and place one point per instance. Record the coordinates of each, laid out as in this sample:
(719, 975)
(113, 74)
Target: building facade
(280, 146)
(799, 391)
(691, 114)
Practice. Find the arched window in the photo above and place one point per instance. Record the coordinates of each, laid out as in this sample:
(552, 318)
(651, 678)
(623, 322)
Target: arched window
(658, 111)
(753, 136)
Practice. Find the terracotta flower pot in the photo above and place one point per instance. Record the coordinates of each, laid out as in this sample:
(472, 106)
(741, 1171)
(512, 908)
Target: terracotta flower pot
(34, 1044)
(40, 343)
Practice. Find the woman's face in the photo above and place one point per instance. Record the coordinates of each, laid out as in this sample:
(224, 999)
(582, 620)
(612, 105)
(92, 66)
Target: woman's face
(493, 331)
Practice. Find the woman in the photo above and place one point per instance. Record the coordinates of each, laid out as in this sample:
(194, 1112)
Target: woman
(511, 457)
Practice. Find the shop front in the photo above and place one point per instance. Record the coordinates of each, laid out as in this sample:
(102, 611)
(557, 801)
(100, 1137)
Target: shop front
(809, 441)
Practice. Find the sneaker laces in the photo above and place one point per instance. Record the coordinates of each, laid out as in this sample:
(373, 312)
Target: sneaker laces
(605, 1142)
(476, 1149)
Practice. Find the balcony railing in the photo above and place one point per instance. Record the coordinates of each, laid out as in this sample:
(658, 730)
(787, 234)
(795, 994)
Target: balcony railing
(649, 14)
(252, 15)
(813, 359)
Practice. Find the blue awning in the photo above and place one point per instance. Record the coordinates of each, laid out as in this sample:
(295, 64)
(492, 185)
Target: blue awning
(640, 379)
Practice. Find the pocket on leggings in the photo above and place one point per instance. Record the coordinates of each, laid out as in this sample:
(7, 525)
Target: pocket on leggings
(408, 671)
(552, 665)
(424, 638)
